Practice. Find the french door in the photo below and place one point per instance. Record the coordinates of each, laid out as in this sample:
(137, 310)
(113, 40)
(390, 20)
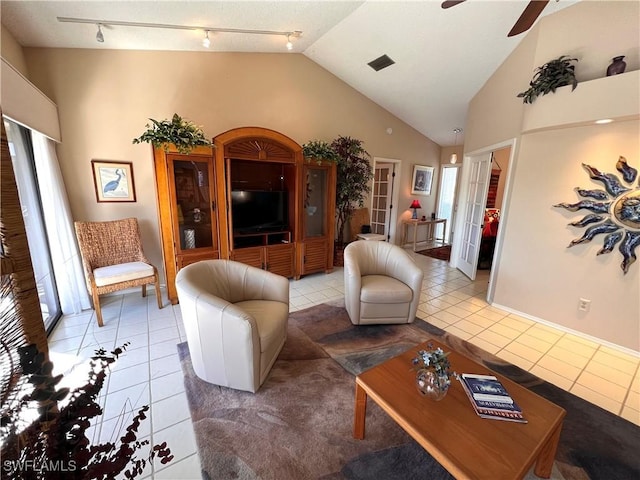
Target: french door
(473, 211)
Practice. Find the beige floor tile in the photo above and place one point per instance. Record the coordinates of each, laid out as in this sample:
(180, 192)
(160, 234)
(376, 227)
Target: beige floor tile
(485, 345)
(450, 298)
(635, 359)
(440, 303)
(457, 311)
(631, 415)
(534, 342)
(609, 373)
(635, 383)
(515, 359)
(448, 317)
(504, 331)
(633, 400)
(460, 295)
(436, 322)
(427, 309)
(469, 327)
(469, 306)
(563, 355)
(561, 368)
(491, 314)
(583, 341)
(479, 320)
(596, 398)
(622, 363)
(544, 333)
(530, 354)
(458, 332)
(516, 323)
(552, 377)
(480, 302)
(602, 386)
(493, 338)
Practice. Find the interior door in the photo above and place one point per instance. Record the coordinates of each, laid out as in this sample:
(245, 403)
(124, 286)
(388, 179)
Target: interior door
(474, 205)
(447, 194)
(381, 198)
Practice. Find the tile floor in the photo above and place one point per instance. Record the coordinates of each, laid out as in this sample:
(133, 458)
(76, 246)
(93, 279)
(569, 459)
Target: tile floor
(150, 374)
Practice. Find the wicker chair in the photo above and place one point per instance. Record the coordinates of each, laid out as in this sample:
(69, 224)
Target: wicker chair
(113, 259)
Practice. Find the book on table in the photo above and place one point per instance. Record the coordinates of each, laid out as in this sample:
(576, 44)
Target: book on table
(490, 399)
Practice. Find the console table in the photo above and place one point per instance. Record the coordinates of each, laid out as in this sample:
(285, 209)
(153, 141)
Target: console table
(430, 230)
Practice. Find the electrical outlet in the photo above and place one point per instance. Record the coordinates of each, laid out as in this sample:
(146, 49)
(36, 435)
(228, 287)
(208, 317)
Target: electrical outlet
(584, 305)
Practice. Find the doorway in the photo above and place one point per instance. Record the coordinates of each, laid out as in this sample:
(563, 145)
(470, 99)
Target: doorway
(447, 201)
(470, 221)
(384, 197)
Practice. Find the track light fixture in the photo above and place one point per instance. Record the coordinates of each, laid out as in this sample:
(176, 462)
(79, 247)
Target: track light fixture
(454, 156)
(99, 35)
(205, 42)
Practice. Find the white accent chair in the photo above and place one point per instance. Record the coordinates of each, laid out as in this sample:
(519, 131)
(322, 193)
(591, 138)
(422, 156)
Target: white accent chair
(382, 283)
(235, 317)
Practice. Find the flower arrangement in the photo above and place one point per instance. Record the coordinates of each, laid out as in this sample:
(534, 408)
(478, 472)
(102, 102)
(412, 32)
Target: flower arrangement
(185, 135)
(437, 360)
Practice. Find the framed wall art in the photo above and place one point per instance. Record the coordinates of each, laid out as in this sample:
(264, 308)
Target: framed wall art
(422, 180)
(113, 181)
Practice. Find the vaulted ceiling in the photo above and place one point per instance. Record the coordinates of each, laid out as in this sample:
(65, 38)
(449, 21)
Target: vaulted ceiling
(442, 57)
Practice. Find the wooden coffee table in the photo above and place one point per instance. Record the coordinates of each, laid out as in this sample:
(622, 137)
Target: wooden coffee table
(466, 445)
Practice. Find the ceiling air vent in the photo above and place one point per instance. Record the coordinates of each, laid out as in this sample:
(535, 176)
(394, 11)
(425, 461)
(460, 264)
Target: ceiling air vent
(381, 62)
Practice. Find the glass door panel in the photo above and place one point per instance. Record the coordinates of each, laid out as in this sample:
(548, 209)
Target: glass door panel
(315, 202)
(193, 204)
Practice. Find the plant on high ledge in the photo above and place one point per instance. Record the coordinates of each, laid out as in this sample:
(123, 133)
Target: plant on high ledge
(553, 74)
(44, 436)
(354, 173)
(185, 135)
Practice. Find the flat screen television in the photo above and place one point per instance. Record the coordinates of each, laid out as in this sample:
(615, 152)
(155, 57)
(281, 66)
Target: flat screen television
(259, 211)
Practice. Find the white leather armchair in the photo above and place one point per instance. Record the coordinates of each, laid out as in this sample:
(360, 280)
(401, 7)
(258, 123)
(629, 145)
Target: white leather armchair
(235, 317)
(382, 283)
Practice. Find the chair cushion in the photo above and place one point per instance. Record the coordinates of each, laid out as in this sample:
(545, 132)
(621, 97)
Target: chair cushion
(122, 272)
(383, 289)
(271, 318)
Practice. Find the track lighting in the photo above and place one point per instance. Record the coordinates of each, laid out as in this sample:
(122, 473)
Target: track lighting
(206, 42)
(99, 35)
(454, 156)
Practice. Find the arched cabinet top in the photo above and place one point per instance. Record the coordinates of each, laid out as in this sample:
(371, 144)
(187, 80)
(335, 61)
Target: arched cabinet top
(257, 143)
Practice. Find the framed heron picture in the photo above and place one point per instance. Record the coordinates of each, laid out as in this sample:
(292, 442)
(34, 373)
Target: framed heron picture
(113, 181)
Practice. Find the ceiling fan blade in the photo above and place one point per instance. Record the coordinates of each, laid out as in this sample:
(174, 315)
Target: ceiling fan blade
(451, 3)
(529, 15)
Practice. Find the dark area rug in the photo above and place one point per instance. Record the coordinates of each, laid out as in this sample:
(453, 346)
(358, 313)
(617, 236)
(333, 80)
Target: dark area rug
(299, 424)
(441, 253)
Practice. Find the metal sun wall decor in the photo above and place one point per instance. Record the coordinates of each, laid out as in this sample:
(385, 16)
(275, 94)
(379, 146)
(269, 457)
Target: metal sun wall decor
(616, 212)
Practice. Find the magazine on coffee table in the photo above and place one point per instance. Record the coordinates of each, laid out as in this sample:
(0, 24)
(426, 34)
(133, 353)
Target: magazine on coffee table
(490, 399)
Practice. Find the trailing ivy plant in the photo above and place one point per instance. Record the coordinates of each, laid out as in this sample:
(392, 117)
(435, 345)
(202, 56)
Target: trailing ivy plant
(354, 173)
(185, 135)
(43, 431)
(319, 150)
(553, 74)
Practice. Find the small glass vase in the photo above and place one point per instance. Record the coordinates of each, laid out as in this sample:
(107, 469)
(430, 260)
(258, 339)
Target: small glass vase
(432, 385)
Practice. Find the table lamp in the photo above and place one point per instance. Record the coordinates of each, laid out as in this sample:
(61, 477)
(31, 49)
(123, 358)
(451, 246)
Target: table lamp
(415, 205)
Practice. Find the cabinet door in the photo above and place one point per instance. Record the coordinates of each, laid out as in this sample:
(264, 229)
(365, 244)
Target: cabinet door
(251, 256)
(314, 256)
(280, 259)
(192, 196)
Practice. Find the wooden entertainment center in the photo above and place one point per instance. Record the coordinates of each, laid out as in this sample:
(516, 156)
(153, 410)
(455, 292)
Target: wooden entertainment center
(283, 205)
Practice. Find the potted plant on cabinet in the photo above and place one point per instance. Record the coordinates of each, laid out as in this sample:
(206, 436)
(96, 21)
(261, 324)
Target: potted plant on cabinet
(319, 150)
(354, 173)
(185, 135)
(553, 74)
